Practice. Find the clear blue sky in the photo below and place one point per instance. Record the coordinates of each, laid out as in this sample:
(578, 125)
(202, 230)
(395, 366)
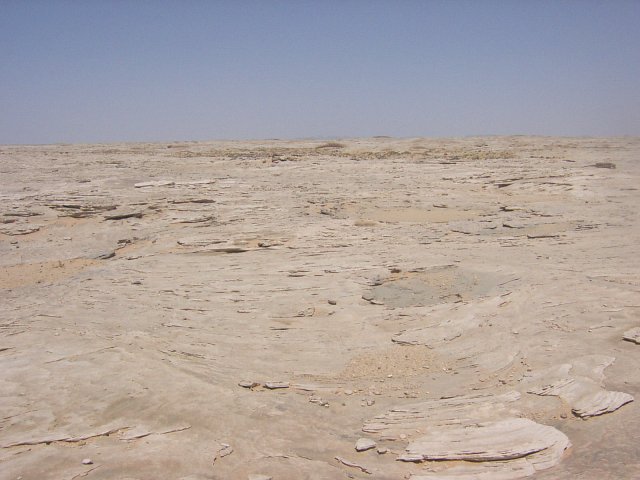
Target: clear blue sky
(105, 71)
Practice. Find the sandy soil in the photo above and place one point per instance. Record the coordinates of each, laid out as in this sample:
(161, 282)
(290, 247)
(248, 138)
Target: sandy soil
(461, 303)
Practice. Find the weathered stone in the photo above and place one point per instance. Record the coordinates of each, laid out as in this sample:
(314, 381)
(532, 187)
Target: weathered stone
(632, 335)
(492, 441)
(124, 215)
(579, 384)
(365, 444)
(248, 384)
(276, 385)
(407, 419)
(159, 183)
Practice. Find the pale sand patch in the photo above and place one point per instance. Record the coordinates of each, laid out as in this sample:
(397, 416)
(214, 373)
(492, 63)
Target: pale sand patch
(30, 274)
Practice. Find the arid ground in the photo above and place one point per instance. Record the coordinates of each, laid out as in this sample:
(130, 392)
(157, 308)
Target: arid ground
(455, 308)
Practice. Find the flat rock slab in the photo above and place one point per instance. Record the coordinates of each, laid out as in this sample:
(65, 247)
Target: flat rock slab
(17, 230)
(276, 385)
(581, 386)
(518, 468)
(473, 428)
(403, 421)
(124, 215)
(632, 335)
(364, 444)
(599, 403)
(158, 183)
(493, 441)
(585, 398)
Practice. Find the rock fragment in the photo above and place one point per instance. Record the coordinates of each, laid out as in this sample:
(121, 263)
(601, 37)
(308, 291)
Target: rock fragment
(585, 398)
(224, 450)
(124, 215)
(632, 335)
(599, 403)
(480, 429)
(207, 219)
(269, 243)
(248, 384)
(532, 236)
(519, 468)
(318, 400)
(24, 213)
(16, 230)
(105, 256)
(491, 441)
(276, 385)
(364, 444)
(349, 463)
(580, 385)
(422, 416)
(160, 183)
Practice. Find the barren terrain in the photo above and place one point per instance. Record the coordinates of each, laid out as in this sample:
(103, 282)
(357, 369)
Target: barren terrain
(455, 308)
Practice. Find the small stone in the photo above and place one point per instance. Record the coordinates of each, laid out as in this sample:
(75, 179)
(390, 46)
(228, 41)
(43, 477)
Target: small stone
(259, 476)
(370, 402)
(348, 392)
(632, 335)
(605, 165)
(224, 450)
(274, 385)
(248, 384)
(87, 461)
(364, 444)
(382, 450)
(268, 244)
(124, 215)
(332, 302)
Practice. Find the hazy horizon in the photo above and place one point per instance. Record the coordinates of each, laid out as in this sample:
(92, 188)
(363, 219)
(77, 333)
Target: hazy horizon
(109, 72)
(319, 139)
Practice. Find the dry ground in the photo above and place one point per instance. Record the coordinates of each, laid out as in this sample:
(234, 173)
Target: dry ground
(410, 292)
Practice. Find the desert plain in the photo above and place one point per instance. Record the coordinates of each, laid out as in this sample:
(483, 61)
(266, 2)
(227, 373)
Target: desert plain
(457, 309)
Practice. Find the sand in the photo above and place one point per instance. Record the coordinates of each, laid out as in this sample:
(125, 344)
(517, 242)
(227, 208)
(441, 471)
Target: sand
(256, 309)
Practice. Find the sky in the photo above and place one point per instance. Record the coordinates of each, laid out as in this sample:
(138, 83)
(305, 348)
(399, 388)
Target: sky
(121, 71)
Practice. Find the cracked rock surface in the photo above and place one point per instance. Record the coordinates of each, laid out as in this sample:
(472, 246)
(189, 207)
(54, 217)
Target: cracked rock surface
(462, 308)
